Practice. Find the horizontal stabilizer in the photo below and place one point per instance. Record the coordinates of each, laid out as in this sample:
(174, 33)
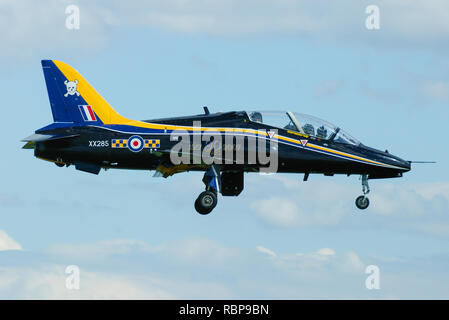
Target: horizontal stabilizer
(45, 137)
(29, 145)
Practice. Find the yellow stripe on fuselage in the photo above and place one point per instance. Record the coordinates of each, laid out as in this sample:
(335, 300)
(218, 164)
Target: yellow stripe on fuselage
(342, 153)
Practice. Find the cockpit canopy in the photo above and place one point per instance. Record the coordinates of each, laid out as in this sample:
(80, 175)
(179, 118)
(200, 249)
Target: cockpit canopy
(304, 124)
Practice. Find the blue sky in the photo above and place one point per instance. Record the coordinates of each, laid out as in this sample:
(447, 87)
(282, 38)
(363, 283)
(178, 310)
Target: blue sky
(135, 236)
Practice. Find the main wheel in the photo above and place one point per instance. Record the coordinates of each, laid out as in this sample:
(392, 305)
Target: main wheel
(362, 202)
(205, 202)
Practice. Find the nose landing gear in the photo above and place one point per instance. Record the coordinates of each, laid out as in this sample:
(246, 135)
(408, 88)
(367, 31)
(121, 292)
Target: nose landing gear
(362, 202)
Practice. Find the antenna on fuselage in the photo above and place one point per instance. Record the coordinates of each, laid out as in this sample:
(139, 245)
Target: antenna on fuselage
(206, 110)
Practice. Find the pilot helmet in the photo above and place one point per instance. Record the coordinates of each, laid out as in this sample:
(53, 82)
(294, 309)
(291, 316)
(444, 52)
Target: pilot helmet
(309, 129)
(321, 132)
(256, 116)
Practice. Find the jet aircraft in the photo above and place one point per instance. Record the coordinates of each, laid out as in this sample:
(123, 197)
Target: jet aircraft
(90, 135)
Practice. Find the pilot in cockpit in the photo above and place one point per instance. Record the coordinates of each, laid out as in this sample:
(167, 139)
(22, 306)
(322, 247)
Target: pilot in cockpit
(321, 132)
(256, 117)
(309, 129)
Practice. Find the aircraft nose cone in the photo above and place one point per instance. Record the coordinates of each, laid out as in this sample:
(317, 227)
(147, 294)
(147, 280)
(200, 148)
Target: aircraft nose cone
(403, 164)
(406, 165)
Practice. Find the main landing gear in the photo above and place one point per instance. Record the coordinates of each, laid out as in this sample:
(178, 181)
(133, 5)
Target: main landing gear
(362, 202)
(207, 200)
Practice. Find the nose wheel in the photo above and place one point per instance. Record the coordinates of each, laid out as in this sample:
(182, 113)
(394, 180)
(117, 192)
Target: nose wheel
(205, 202)
(362, 202)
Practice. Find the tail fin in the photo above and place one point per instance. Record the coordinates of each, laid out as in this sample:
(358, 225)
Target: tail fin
(73, 99)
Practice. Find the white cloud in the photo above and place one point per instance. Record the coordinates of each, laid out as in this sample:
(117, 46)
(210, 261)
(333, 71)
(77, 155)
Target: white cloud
(292, 205)
(424, 200)
(100, 249)
(102, 275)
(49, 282)
(32, 27)
(326, 252)
(352, 262)
(165, 271)
(266, 251)
(189, 251)
(429, 191)
(415, 207)
(194, 250)
(278, 211)
(319, 266)
(7, 243)
(438, 90)
(406, 20)
(38, 28)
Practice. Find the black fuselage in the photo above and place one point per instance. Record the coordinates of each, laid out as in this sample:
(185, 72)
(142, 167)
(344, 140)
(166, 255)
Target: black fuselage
(98, 147)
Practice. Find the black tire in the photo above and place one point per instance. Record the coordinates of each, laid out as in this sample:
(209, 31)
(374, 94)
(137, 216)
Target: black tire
(362, 202)
(205, 202)
(59, 164)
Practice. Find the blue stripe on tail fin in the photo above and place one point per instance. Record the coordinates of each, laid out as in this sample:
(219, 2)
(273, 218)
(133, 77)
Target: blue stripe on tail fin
(67, 104)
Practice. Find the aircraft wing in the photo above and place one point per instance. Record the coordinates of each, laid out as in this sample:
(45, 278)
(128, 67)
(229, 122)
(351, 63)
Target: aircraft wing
(169, 170)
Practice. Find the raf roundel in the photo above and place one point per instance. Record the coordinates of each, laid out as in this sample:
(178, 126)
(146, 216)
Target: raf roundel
(135, 143)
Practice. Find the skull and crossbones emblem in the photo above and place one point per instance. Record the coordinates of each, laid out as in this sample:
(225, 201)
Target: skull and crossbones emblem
(71, 88)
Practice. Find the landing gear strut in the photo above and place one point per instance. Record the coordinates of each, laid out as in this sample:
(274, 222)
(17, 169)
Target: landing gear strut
(362, 202)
